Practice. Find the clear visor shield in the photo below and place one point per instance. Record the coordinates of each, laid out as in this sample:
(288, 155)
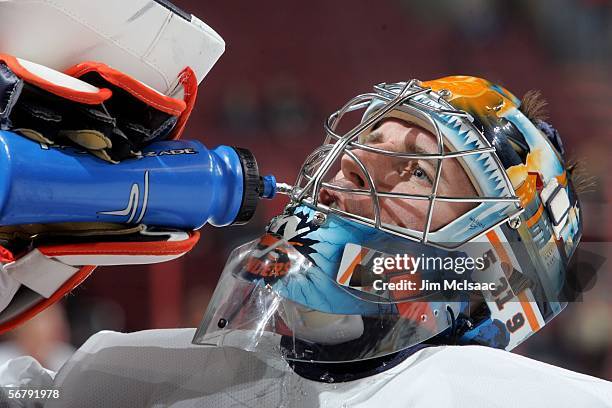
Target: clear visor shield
(260, 305)
(402, 159)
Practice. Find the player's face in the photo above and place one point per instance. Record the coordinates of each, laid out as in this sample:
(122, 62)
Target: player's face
(401, 175)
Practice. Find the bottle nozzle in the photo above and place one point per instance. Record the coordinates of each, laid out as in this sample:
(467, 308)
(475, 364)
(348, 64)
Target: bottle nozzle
(270, 187)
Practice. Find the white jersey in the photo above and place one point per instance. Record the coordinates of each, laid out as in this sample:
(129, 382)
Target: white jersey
(161, 368)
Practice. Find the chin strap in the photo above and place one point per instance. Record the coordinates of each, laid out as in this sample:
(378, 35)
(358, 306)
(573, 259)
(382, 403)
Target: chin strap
(459, 326)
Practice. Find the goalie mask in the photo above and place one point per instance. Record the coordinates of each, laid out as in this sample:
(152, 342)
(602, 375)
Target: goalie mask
(442, 215)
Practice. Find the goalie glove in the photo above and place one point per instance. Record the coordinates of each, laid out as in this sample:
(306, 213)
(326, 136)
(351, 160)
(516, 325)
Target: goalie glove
(155, 54)
(41, 264)
(112, 115)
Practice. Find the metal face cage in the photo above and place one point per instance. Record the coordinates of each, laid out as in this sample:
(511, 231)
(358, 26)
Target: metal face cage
(426, 107)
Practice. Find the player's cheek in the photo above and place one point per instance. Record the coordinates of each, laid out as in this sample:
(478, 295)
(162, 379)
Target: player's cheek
(413, 186)
(407, 213)
(444, 213)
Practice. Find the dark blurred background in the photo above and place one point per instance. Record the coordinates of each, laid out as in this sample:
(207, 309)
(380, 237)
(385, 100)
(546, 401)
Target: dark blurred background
(288, 65)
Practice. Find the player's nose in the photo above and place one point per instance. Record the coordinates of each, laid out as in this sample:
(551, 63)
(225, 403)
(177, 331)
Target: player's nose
(353, 168)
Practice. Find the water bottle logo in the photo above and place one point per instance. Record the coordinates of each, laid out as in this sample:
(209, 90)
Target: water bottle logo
(133, 202)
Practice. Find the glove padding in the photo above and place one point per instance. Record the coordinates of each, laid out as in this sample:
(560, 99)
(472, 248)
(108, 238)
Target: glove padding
(54, 259)
(110, 114)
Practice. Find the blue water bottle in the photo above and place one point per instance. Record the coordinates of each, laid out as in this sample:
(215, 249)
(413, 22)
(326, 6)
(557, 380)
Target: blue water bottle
(176, 184)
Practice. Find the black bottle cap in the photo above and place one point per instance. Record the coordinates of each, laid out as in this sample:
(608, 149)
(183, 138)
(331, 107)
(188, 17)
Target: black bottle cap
(250, 188)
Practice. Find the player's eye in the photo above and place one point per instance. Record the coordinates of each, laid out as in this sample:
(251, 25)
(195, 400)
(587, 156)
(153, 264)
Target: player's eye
(420, 174)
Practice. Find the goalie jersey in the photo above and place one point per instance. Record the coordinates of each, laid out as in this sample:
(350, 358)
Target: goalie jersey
(161, 368)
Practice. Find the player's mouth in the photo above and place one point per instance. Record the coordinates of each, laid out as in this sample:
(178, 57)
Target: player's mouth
(332, 199)
(356, 204)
